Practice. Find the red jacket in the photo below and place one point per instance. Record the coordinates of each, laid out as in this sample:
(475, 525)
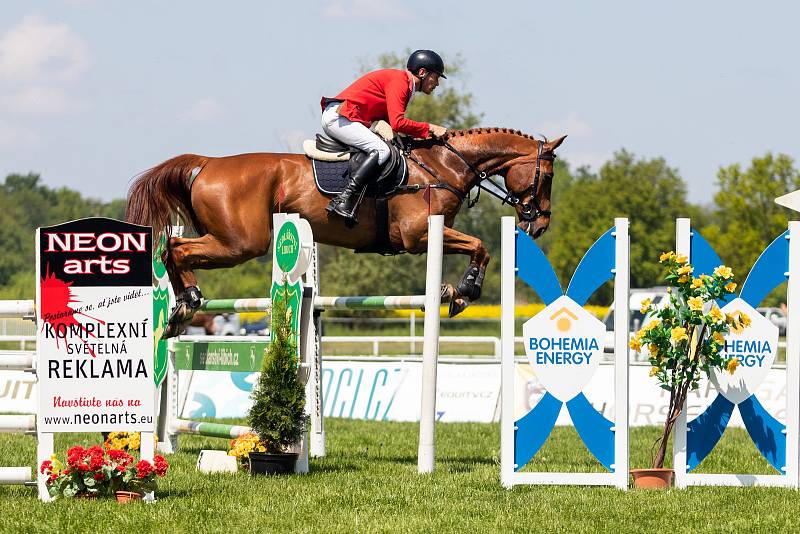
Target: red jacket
(382, 94)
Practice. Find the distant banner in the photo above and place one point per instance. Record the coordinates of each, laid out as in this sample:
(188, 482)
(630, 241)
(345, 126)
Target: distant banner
(390, 391)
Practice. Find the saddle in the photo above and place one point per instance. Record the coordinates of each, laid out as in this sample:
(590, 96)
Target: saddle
(333, 161)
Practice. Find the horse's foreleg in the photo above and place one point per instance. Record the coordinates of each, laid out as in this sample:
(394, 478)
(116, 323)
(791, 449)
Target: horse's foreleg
(471, 283)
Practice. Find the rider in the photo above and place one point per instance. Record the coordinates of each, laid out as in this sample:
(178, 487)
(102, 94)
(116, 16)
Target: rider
(381, 94)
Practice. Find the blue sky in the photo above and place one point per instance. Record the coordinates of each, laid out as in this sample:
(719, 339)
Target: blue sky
(93, 92)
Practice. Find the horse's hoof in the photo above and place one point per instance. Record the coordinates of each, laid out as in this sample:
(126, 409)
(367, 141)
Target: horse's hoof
(178, 320)
(457, 305)
(448, 293)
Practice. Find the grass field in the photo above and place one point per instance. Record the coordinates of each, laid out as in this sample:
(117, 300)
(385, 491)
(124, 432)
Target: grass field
(368, 483)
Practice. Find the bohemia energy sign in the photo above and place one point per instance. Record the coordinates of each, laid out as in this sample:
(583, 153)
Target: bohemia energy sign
(94, 305)
(564, 344)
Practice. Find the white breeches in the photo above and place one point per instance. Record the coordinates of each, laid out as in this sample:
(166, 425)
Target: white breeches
(353, 133)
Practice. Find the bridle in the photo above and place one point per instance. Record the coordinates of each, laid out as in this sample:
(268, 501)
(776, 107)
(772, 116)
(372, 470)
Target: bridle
(528, 212)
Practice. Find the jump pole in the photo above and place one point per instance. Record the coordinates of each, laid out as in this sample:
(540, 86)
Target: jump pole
(430, 348)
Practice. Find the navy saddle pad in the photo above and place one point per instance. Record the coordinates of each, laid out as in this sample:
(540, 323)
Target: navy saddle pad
(331, 178)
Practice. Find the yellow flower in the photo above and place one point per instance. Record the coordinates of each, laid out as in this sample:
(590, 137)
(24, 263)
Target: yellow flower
(645, 305)
(719, 339)
(733, 363)
(679, 334)
(684, 279)
(666, 256)
(716, 314)
(697, 283)
(744, 319)
(686, 269)
(635, 344)
(723, 272)
(695, 304)
(653, 371)
(653, 348)
(730, 287)
(651, 324)
(681, 258)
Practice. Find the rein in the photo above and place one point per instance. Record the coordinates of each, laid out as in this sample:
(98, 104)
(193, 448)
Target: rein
(529, 211)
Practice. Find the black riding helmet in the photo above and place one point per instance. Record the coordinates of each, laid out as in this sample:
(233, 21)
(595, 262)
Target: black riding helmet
(428, 60)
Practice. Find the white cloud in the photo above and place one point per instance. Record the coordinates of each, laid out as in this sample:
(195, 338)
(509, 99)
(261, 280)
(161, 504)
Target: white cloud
(38, 50)
(13, 138)
(366, 10)
(571, 125)
(39, 100)
(203, 109)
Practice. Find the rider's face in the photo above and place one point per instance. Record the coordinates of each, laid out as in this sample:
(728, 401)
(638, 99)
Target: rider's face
(429, 82)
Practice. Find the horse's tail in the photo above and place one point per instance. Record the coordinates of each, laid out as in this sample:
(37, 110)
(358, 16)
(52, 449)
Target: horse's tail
(163, 191)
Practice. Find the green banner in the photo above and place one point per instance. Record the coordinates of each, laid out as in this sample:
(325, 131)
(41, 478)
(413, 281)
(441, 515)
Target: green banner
(235, 356)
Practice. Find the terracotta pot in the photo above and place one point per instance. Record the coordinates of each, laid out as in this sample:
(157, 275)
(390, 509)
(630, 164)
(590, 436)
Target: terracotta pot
(652, 478)
(272, 464)
(128, 496)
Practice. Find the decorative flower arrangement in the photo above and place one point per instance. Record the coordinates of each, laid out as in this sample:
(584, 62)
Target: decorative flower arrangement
(125, 441)
(94, 472)
(686, 336)
(242, 446)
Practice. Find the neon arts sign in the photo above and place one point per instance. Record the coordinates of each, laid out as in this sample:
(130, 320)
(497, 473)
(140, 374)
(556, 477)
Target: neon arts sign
(109, 242)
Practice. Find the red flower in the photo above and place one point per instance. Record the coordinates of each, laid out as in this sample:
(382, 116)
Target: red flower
(52, 477)
(96, 462)
(161, 465)
(75, 455)
(99, 476)
(47, 466)
(121, 468)
(143, 468)
(66, 471)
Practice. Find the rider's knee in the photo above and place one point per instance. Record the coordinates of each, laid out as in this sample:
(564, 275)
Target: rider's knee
(383, 153)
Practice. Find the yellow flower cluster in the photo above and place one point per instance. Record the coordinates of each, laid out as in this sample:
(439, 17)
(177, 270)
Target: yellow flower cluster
(695, 303)
(125, 441)
(738, 322)
(733, 363)
(679, 334)
(646, 305)
(244, 445)
(723, 272)
(666, 256)
(716, 314)
(697, 283)
(653, 371)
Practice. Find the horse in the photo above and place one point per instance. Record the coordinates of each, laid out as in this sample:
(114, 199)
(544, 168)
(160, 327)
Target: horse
(229, 202)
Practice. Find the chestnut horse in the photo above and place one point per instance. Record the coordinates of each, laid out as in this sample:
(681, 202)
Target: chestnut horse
(231, 201)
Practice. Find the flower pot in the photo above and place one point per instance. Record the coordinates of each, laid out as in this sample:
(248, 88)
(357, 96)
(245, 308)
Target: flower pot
(652, 478)
(262, 463)
(127, 496)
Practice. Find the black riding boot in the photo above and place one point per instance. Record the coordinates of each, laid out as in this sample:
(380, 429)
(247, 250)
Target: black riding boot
(346, 203)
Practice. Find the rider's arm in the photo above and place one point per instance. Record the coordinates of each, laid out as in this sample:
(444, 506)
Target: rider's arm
(396, 98)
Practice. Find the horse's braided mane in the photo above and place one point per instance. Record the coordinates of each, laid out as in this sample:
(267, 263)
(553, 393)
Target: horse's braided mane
(475, 131)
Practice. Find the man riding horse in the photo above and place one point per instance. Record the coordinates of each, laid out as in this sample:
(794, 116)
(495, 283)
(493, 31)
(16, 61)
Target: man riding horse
(229, 201)
(380, 95)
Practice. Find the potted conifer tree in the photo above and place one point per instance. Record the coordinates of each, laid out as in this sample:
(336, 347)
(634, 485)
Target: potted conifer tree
(277, 415)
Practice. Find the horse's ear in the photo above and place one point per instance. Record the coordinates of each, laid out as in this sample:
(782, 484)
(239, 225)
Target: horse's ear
(555, 143)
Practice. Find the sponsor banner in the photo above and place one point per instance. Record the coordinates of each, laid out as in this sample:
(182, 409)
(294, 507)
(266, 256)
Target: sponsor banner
(391, 391)
(95, 336)
(383, 391)
(17, 392)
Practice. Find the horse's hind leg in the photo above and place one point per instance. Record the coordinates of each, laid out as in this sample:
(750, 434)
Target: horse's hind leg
(206, 252)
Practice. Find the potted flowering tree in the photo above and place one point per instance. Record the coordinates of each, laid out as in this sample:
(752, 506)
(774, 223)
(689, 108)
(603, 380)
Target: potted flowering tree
(684, 341)
(277, 415)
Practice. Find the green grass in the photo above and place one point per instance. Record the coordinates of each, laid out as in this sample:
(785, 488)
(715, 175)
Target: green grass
(368, 483)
